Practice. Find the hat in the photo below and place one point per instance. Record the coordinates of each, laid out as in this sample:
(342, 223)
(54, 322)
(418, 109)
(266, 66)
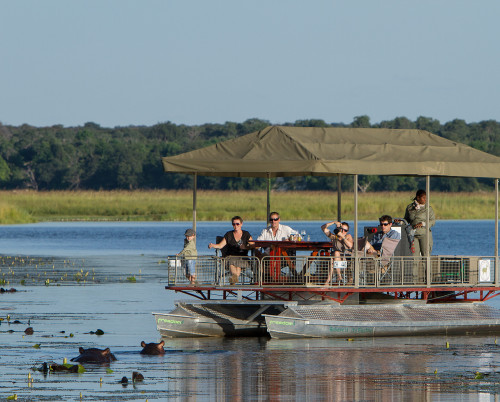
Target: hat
(190, 232)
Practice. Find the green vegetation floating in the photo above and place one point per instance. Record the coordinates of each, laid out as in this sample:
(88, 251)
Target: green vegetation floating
(163, 205)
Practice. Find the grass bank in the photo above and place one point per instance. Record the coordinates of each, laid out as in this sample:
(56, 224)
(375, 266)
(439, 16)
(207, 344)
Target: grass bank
(32, 206)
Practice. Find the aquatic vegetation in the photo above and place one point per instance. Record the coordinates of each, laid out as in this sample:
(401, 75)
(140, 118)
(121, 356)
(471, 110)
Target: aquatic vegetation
(66, 367)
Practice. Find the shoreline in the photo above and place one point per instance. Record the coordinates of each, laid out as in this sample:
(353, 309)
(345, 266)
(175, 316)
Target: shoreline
(171, 205)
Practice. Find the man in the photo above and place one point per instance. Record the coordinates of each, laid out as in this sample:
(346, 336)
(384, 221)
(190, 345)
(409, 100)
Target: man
(275, 230)
(374, 245)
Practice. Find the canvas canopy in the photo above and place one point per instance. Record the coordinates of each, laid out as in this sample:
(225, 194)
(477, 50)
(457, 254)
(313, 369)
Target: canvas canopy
(301, 151)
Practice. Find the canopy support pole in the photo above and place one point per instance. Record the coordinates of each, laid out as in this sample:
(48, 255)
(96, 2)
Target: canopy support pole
(356, 256)
(268, 197)
(428, 230)
(339, 197)
(496, 233)
(195, 179)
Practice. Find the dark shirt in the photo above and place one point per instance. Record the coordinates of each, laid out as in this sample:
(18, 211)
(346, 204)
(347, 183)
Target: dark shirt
(233, 247)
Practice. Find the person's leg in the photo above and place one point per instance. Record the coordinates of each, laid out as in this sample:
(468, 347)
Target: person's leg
(423, 244)
(191, 268)
(417, 265)
(235, 273)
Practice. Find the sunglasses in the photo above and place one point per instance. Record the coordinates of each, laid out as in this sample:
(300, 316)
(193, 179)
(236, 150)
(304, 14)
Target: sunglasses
(385, 224)
(274, 219)
(344, 230)
(236, 224)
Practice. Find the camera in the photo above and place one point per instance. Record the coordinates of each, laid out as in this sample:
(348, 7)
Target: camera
(336, 231)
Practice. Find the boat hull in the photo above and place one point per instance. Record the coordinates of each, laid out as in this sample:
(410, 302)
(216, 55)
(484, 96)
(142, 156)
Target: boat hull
(217, 318)
(384, 320)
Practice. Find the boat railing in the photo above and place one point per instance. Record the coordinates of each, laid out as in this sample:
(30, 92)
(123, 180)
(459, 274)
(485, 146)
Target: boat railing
(326, 271)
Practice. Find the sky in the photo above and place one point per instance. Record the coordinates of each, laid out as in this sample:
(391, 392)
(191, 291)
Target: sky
(143, 62)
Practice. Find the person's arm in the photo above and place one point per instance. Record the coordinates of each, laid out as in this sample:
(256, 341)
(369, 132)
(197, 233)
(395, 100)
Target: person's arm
(218, 245)
(247, 245)
(325, 227)
(262, 235)
(183, 251)
(432, 217)
(348, 241)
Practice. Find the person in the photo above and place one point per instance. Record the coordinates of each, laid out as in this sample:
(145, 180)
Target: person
(236, 241)
(374, 245)
(189, 253)
(275, 230)
(416, 216)
(342, 242)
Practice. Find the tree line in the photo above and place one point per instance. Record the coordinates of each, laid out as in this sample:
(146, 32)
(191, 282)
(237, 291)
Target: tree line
(91, 157)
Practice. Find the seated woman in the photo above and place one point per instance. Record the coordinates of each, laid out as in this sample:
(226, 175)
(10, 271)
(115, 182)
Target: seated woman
(342, 242)
(237, 248)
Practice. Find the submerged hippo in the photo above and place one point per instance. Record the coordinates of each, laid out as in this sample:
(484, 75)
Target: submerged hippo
(153, 348)
(94, 355)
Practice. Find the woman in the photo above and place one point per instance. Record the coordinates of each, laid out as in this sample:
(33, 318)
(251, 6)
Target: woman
(236, 241)
(416, 216)
(342, 242)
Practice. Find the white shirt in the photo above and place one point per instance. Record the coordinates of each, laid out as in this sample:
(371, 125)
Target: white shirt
(283, 233)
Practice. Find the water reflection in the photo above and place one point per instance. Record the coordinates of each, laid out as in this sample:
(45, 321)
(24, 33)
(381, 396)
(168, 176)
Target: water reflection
(419, 368)
(335, 370)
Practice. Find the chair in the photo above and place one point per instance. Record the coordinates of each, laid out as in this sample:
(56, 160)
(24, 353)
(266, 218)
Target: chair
(387, 251)
(220, 271)
(223, 265)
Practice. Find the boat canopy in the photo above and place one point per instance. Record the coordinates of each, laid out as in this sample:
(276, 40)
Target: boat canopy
(279, 151)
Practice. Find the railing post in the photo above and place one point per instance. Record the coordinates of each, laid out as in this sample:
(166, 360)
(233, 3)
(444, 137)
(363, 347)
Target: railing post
(195, 180)
(356, 255)
(428, 230)
(339, 197)
(496, 233)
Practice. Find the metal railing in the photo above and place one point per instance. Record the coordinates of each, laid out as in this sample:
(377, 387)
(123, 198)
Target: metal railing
(326, 271)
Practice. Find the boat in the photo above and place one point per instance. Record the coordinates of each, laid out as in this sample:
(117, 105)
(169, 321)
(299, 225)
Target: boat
(402, 319)
(285, 294)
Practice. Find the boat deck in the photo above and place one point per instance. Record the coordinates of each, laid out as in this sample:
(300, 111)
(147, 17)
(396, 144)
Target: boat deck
(304, 277)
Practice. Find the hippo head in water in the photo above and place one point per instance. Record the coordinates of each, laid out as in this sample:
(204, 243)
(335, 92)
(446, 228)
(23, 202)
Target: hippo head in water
(152, 348)
(94, 355)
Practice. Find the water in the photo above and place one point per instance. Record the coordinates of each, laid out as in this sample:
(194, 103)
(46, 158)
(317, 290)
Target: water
(205, 369)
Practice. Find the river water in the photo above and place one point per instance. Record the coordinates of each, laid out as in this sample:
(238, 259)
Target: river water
(75, 278)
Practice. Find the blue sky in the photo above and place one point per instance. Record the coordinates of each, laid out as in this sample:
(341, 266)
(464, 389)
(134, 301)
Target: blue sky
(122, 62)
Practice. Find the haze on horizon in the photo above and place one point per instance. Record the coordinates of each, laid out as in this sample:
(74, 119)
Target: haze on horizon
(125, 62)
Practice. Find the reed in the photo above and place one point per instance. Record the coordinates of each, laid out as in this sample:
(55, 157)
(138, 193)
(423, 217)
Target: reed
(161, 205)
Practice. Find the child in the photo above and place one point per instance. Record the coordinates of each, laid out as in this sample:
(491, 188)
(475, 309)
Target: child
(189, 252)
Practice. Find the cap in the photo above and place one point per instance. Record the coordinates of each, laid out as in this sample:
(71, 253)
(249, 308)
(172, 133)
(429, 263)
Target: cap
(190, 232)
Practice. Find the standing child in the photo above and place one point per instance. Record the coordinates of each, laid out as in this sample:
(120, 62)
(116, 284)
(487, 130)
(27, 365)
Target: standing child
(189, 252)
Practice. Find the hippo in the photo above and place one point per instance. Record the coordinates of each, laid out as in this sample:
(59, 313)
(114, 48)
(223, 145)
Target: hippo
(152, 348)
(94, 355)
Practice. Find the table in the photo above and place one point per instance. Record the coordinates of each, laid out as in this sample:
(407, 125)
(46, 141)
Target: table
(282, 248)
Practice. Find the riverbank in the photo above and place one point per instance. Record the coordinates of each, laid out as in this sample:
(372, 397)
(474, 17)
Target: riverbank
(161, 205)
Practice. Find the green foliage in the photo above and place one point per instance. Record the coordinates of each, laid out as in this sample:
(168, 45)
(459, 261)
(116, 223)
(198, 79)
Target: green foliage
(91, 157)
